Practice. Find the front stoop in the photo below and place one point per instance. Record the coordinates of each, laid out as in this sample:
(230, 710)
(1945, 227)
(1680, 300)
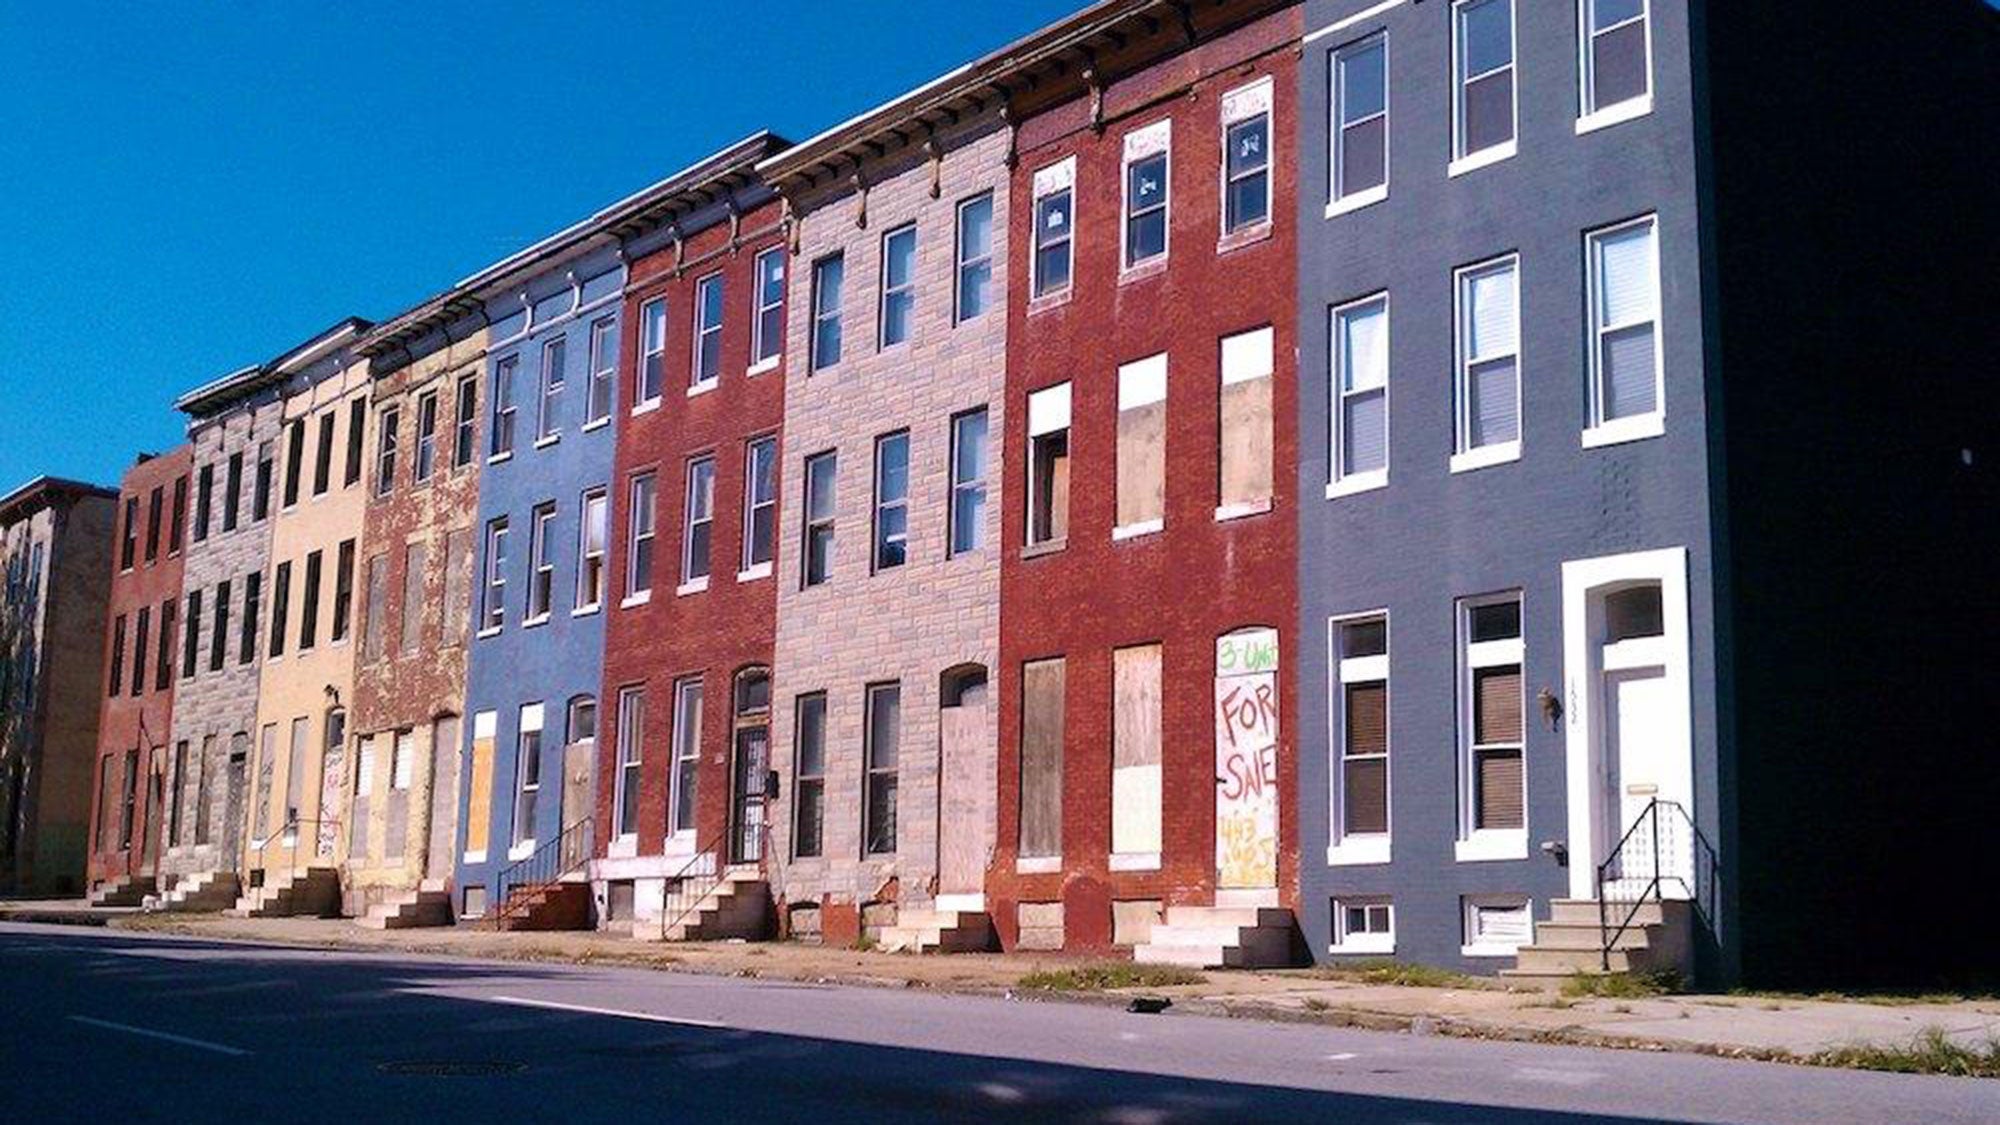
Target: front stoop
(1255, 936)
(1571, 943)
(203, 892)
(737, 906)
(936, 930)
(562, 905)
(429, 904)
(313, 892)
(125, 890)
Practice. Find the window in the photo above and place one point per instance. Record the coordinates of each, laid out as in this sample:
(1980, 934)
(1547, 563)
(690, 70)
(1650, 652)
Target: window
(592, 537)
(767, 328)
(232, 493)
(581, 721)
(653, 351)
(817, 558)
(416, 560)
(699, 530)
(968, 481)
(1246, 157)
(140, 650)
(465, 408)
(343, 590)
(639, 549)
(1041, 758)
(892, 501)
(128, 553)
(364, 768)
(899, 284)
(374, 634)
(1361, 739)
(1364, 924)
(323, 463)
(1147, 152)
(163, 660)
(809, 784)
(882, 706)
(828, 273)
(155, 508)
(402, 753)
(204, 498)
(1055, 192)
(457, 612)
(295, 457)
(1487, 385)
(1360, 158)
(357, 419)
(260, 500)
(309, 605)
(1360, 454)
(1142, 447)
(130, 803)
(1048, 465)
(1135, 757)
(1625, 372)
(190, 638)
(1617, 70)
(177, 536)
(501, 442)
(1246, 451)
(760, 505)
(1483, 78)
(687, 754)
(974, 294)
(427, 421)
(493, 612)
(385, 451)
(527, 776)
(631, 744)
(118, 651)
(218, 641)
(708, 303)
(1497, 926)
(1490, 726)
(179, 793)
(541, 563)
(603, 370)
(548, 416)
(281, 601)
(253, 604)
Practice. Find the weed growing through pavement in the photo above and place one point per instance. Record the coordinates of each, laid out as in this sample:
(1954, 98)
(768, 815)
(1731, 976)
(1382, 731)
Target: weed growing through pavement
(1109, 975)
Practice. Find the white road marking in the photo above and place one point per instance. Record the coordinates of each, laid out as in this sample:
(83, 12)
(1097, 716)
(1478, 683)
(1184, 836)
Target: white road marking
(183, 1040)
(1342, 1056)
(1573, 1078)
(587, 1010)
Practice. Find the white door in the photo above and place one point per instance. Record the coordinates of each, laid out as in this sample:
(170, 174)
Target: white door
(1636, 702)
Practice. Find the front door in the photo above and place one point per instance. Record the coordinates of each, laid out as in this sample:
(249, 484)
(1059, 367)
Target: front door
(1246, 761)
(746, 794)
(1636, 702)
(233, 791)
(579, 795)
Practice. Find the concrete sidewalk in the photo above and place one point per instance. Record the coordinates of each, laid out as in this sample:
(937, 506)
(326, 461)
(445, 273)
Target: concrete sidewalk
(1775, 1028)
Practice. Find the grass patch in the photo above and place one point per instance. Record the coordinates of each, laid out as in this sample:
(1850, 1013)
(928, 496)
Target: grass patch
(1622, 986)
(1110, 975)
(1929, 1053)
(1399, 973)
(1890, 999)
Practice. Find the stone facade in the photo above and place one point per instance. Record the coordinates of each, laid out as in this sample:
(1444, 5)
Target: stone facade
(936, 613)
(55, 540)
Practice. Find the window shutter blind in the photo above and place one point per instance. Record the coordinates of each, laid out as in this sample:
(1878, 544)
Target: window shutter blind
(1491, 323)
(1501, 925)
(1365, 335)
(1491, 415)
(1627, 363)
(1499, 795)
(1367, 434)
(1365, 795)
(1498, 705)
(1367, 719)
(1625, 276)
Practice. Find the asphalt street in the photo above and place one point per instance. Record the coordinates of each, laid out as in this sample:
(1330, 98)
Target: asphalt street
(108, 1026)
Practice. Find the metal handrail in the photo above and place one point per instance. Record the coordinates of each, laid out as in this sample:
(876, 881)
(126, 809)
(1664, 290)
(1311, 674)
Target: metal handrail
(293, 824)
(546, 865)
(718, 870)
(1659, 841)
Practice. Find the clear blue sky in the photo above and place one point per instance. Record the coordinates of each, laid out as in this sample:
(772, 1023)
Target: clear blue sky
(187, 188)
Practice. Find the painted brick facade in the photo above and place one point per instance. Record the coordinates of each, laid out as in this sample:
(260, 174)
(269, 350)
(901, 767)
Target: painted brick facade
(1204, 572)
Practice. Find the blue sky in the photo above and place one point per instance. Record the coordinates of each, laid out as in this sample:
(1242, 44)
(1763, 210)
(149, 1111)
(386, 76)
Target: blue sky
(187, 188)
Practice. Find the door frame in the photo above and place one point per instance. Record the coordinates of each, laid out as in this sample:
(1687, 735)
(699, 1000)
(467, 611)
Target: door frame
(1585, 582)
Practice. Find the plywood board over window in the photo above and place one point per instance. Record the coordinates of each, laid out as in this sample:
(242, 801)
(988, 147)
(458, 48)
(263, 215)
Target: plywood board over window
(1135, 753)
(1246, 438)
(1042, 689)
(1142, 445)
(479, 791)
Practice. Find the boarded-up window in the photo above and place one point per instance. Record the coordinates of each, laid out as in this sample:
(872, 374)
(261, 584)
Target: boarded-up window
(1142, 445)
(1048, 465)
(295, 773)
(1041, 757)
(457, 614)
(267, 751)
(1493, 656)
(374, 630)
(415, 558)
(479, 789)
(1246, 422)
(1135, 751)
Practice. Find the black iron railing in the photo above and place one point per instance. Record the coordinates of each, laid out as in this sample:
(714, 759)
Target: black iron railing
(1662, 854)
(548, 864)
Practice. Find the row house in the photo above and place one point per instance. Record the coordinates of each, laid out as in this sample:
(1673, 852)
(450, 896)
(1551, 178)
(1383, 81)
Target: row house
(56, 545)
(134, 813)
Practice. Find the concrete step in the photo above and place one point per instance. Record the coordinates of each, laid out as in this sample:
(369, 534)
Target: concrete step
(409, 910)
(125, 890)
(1239, 916)
(1583, 911)
(1542, 959)
(202, 892)
(1206, 937)
(938, 931)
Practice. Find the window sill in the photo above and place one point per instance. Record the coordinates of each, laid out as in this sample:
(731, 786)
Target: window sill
(1493, 154)
(646, 407)
(1237, 511)
(522, 850)
(1348, 204)
(754, 573)
(1245, 236)
(1486, 456)
(1637, 428)
(590, 610)
(1356, 484)
(1048, 301)
(1150, 268)
(595, 424)
(1038, 865)
(1135, 530)
(1047, 547)
(545, 442)
(1489, 950)
(638, 599)
(1613, 114)
(1135, 861)
(1377, 944)
(474, 857)
(769, 363)
(697, 586)
(538, 619)
(1358, 851)
(1492, 844)
(497, 458)
(703, 388)
(490, 631)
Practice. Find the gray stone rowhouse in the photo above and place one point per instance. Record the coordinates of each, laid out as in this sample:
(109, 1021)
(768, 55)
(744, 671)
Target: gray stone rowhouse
(215, 712)
(55, 543)
(1804, 520)
(937, 613)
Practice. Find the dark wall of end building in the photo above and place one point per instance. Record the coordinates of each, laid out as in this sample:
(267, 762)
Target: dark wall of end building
(1850, 186)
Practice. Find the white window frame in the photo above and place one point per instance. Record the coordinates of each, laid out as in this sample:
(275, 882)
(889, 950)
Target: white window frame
(1356, 849)
(827, 461)
(961, 485)
(504, 411)
(1053, 180)
(1482, 844)
(1056, 419)
(1465, 457)
(631, 751)
(1245, 103)
(876, 540)
(960, 261)
(652, 355)
(1469, 908)
(1600, 431)
(1374, 943)
(603, 373)
(685, 749)
(555, 379)
(765, 353)
(1341, 483)
(639, 532)
(752, 504)
(493, 606)
(388, 430)
(589, 559)
(885, 291)
(707, 337)
(1463, 161)
(1144, 143)
(527, 785)
(1639, 105)
(821, 315)
(541, 565)
(693, 518)
(423, 464)
(1336, 203)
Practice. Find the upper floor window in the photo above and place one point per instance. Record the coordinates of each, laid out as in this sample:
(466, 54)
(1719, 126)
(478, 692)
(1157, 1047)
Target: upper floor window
(1246, 158)
(541, 563)
(828, 274)
(260, 502)
(493, 609)
(653, 352)
(767, 328)
(323, 463)
(548, 419)
(295, 461)
(232, 489)
(817, 558)
(1487, 385)
(892, 500)
(1616, 61)
(699, 533)
(357, 417)
(1048, 465)
(1624, 345)
(1483, 82)
(1147, 153)
(501, 442)
(603, 369)
(156, 506)
(1141, 478)
(707, 332)
(760, 505)
(177, 520)
(1248, 445)
(1055, 192)
(128, 552)
(1360, 453)
(204, 500)
(968, 481)
(639, 547)
(1360, 164)
(466, 405)
(427, 424)
(899, 284)
(385, 456)
(592, 536)
(975, 258)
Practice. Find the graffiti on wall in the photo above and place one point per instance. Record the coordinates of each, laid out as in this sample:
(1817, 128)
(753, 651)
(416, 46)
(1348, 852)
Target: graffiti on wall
(1246, 759)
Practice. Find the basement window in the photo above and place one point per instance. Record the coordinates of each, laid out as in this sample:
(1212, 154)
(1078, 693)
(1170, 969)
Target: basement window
(1497, 926)
(1364, 924)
